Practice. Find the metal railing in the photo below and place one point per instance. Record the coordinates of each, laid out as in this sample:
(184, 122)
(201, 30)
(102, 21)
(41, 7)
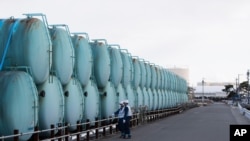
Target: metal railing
(99, 128)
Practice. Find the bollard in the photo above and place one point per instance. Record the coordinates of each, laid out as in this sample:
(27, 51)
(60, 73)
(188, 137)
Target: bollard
(15, 133)
(96, 128)
(52, 132)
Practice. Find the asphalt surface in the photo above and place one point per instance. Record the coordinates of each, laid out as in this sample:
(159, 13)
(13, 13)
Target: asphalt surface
(208, 123)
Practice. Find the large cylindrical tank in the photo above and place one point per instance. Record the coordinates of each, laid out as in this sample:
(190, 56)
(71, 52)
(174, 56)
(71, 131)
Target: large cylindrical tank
(143, 73)
(30, 46)
(140, 97)
(101, 63)
(84, 59)
(158, 76)
(131, 97)
(120, 92)
(74, 102)
(148, 74)
(151, 99)
(153, 77)
(92, 102)
(137, 73)
(160, 99)
(51, 104)
(116, 66)
(127, 69)
(62, 54)
(146, 98)
(108, 100)
(156, 99)
(18, 103)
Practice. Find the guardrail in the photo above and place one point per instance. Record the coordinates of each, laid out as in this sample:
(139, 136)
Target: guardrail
(244, 111)
(102, 127)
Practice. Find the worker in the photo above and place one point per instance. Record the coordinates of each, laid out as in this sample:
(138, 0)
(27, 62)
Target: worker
(127, 118)
(120, 114)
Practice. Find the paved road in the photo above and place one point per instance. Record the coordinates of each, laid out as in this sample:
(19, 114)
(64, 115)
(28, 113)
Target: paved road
(209, 123)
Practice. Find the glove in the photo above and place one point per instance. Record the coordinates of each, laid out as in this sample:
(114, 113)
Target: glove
(124, 121)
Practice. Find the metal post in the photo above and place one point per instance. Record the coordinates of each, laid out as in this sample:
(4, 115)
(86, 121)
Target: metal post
(202, 91)
(248, 87)
(52, 132)
(16, 138)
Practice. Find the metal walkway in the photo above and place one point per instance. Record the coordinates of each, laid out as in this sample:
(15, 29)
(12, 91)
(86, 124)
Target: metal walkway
(209, 123)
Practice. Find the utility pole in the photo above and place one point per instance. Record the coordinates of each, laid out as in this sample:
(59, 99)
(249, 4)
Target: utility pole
(203, 91)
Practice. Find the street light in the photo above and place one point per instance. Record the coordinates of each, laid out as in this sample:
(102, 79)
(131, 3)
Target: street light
(248, 87)
(202, 91)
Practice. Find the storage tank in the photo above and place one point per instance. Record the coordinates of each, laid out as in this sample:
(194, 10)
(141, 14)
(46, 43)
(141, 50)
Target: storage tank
(30, 46)
(101, 62)
(131, 97)
(137, 73)
(151, 99)
(127, 68)
(120, 92)
(84, 59)
(116, 64)
(62, 53)
(158, 78)
(153, 77)
(160, 99)
(51, 104)
(140, 97)
(18, 103)
(109, 99)
(148, 75)
(143, 73)
(74, 102)
(92, 102)
(146, 98)
(156, 99)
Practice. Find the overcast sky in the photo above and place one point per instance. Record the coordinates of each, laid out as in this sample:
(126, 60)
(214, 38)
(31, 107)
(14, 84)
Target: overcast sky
(210, 37)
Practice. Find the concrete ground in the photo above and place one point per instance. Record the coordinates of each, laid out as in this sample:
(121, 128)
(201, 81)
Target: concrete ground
(208, 123)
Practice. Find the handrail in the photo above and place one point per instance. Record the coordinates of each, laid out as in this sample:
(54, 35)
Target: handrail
(12, 31)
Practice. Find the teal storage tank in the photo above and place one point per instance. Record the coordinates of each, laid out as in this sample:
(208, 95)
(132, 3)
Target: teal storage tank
(146, 98)
(51, 104)
(18, 103)
(131, 97)
(143, 74)
(63, 56)
(137, 73)
(101, 63)
(127, 69)
(84, 59)
(74, 102)
(151, 99)
(140, 98)
(153, 77)
(92, 102)
(108, 100)
(120, 92)
(158, 78)
(29, 46)
(116, 65)
(160, 99)
(156, 99)
(148, 75)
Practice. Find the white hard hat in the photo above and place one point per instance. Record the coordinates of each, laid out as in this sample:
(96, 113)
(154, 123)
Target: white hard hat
(125, 101)
(121, 102)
